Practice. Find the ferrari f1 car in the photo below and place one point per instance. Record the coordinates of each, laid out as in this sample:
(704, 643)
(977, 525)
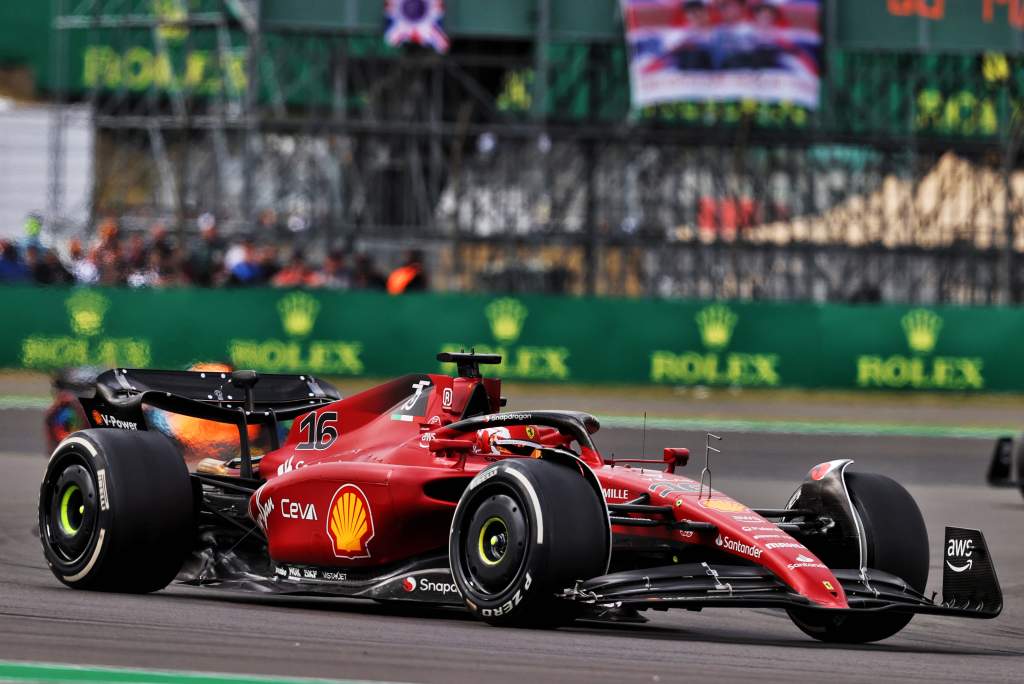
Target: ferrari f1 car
(422, 489)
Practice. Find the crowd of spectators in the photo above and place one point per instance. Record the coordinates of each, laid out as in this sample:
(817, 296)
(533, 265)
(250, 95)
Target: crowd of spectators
(155, 258)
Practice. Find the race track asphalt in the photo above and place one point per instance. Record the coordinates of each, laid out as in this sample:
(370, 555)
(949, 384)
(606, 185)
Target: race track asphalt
(193, 629)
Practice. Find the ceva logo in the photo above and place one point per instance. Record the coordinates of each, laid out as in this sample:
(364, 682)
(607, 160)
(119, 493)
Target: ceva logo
(715, 365)
(506, 318)
(920, 370)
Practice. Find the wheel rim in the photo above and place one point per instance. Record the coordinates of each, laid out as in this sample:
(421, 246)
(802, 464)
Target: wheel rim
(494, 542)
(70, 511)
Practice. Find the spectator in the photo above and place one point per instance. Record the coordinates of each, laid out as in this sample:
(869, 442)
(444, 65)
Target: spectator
(246, 270)
(206, 260)
(335, 273)
(269, 263)
(111, 268)
(366, 275)
(296, 273)
(47, 269)
(11, 268)
(410, 276)
(106, 239)
(83, 268)
(136, 254)
(160, 240)
(33, 230)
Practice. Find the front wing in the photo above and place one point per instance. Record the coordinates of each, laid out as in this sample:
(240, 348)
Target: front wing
(702, 585)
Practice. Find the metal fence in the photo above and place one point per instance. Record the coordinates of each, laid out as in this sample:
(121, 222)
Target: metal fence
(517, 169)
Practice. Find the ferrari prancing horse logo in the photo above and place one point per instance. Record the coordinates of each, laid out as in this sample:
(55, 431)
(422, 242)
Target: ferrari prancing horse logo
(350, 523)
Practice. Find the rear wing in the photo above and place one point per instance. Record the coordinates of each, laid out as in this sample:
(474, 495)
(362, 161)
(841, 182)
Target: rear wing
(240, 398)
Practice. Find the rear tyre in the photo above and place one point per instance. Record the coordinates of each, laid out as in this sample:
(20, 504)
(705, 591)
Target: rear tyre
(524, 530)
(116, 511)
(897, 543)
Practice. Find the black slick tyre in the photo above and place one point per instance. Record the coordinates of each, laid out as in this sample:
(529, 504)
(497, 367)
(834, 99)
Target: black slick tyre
(116, 511)
(897, 543)
(523, 531)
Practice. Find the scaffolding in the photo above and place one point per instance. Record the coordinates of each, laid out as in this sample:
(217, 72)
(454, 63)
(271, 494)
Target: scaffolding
(518, 165)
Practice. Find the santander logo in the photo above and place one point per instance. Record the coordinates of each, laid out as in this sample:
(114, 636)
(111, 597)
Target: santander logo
(738, 546)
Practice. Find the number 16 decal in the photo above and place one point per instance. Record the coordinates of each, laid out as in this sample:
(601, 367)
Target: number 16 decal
(318, 431)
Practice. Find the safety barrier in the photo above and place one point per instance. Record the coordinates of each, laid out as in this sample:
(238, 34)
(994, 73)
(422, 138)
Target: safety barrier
(558, 339)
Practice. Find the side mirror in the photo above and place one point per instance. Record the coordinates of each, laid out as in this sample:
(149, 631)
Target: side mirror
(675, 456)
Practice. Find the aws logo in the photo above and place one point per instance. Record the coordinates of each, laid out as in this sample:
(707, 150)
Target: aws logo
(298, 312)
(715, 364)
(918, 369)
(350, 523)
(506, 318)
(87, 312)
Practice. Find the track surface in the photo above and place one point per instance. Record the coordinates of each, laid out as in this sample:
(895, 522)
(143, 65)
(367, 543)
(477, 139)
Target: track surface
(193, 629)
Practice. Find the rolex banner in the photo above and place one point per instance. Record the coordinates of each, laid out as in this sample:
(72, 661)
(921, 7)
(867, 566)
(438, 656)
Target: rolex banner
(552, 339)
(698, 50)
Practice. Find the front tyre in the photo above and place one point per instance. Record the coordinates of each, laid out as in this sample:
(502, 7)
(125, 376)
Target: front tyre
(897, 543)
(116, 511)
(524, 530)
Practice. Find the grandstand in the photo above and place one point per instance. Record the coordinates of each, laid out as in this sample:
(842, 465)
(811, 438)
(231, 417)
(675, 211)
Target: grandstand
(520, 161)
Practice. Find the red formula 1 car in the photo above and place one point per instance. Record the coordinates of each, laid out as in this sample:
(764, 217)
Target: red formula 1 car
(420, 489)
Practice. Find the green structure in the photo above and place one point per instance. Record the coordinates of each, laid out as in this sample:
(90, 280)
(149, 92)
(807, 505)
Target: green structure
(517, 163)
(547, 339)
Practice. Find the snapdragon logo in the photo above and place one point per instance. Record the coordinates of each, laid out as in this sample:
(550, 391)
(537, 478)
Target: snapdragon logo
(920, 369)
(411, 584)
(715, 364)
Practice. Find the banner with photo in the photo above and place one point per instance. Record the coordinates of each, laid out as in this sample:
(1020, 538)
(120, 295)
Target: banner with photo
(700, 50)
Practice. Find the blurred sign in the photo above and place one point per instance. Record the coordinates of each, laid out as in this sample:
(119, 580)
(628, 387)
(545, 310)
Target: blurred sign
(697, 50)
(931, 25)
(420, 22)
(553, 339)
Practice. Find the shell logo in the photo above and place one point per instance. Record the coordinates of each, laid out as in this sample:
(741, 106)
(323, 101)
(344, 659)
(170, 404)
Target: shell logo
(350, 523)
(724, 505)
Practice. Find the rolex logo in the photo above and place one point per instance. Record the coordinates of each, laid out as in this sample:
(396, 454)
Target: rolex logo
(506, 317)
(298, 313)
(86, 309)
(716, 323)
(922, 329)
(172, 15)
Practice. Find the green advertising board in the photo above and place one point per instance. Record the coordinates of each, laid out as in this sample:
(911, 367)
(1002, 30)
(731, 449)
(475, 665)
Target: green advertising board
(930, 25)
(553, 339)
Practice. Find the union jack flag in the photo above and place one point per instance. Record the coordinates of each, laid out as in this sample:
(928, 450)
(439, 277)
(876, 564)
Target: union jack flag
(415, 21)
